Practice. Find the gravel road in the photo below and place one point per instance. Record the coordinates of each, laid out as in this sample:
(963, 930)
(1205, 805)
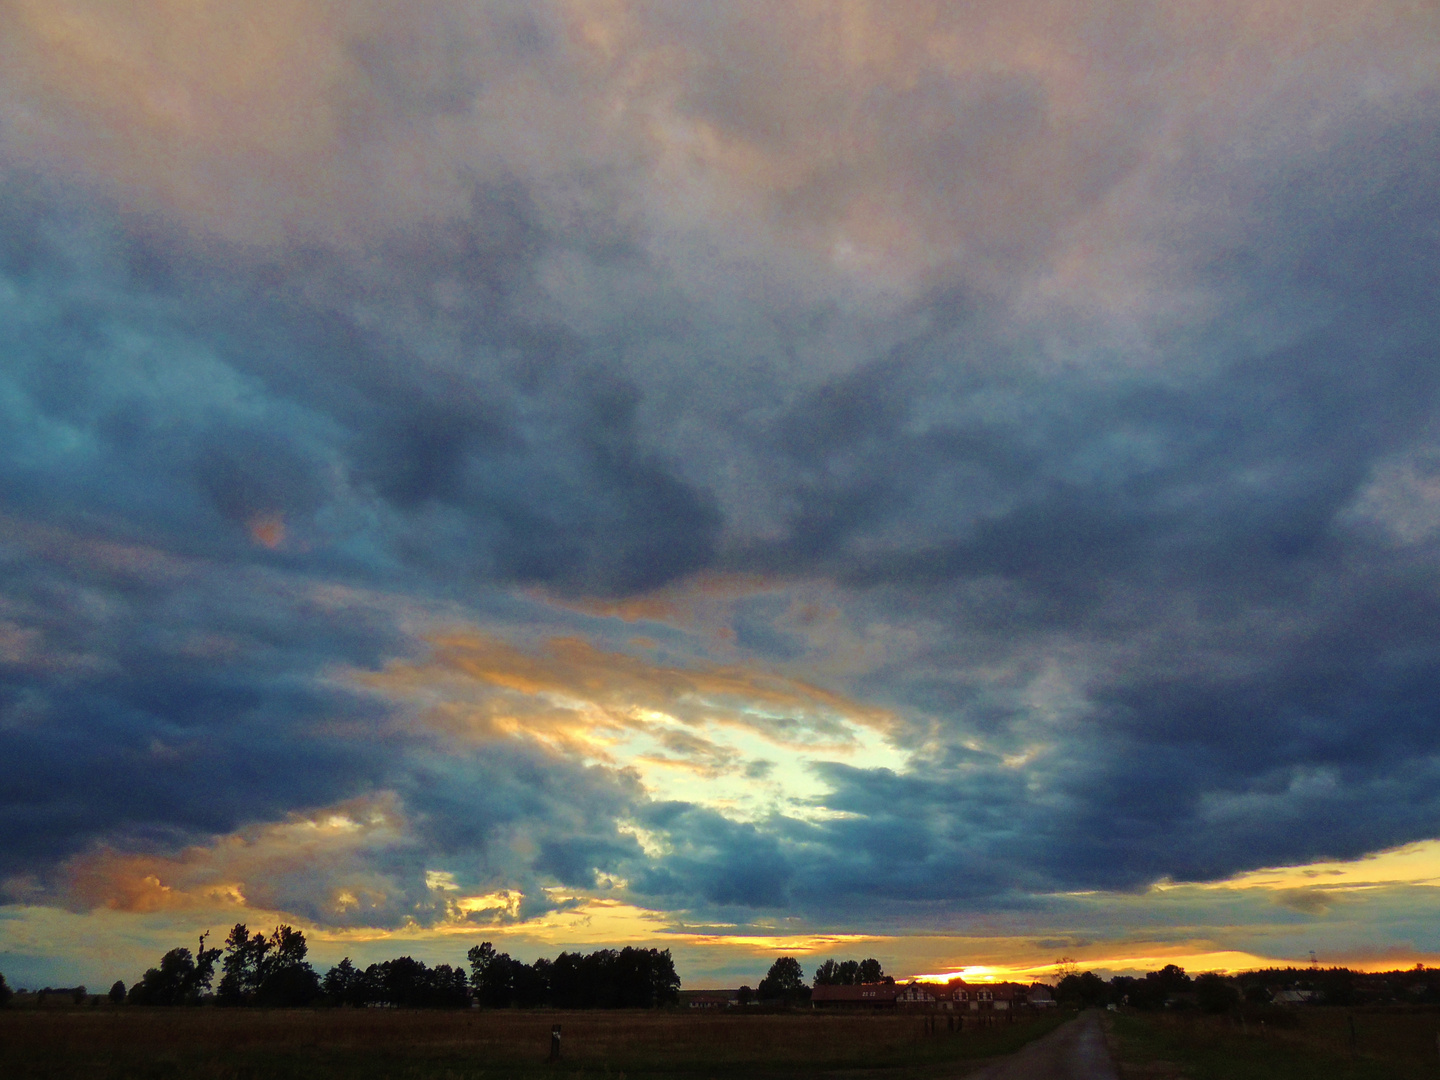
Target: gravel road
(1075, 1051)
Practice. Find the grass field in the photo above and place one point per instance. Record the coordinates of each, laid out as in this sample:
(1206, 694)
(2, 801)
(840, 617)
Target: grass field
(219, 1044)
(1388, 1044)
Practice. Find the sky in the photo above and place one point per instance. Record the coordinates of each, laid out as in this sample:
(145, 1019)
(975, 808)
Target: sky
(954, 483)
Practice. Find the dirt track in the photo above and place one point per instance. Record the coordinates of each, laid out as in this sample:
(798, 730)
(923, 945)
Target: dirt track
(1073, 1052)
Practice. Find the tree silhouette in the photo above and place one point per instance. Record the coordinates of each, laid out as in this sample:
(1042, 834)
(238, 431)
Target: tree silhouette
(785, 980)
(402, 982)
(267, 971)
(243, 965)
(1086, 989)
(499, 980)
(605, 979)
(1215, 993)
(5, 992)
(344, 984)
(117, 992)
(180, 979)
(848, 972)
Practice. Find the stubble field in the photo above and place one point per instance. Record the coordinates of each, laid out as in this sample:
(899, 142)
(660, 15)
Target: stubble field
(1318, 1043)
(240, 1044)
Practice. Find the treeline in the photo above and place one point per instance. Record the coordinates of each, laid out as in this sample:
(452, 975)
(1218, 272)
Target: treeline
(272, 970)
(785, 981)
(1172, 988)
(850, 973)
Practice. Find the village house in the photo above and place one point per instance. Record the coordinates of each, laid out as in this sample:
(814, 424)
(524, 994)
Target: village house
(988, 997)
(709, 999)
(864, 995)
(1039, 996)
(1293, 997)
(920, 994)
(954, 996)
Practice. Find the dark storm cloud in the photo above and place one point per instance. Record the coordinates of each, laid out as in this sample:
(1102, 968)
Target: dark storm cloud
(508, 817)
(714, 861)
(1274, 702)
(151, 703)
(195, 438)
(190, 455)
(910, 470)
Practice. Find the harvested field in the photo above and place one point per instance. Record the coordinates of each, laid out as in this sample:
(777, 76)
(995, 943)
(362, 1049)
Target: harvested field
(204, 1043)
(1397, 1043)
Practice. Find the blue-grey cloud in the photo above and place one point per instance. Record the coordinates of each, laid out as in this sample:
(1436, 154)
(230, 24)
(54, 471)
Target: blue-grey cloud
(203, 444)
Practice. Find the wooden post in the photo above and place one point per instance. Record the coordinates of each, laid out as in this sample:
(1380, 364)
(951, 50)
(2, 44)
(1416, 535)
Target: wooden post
(555, 1042)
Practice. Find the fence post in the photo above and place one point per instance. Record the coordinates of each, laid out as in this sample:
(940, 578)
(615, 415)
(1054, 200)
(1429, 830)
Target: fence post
(555, 1042)
(1354, 1039)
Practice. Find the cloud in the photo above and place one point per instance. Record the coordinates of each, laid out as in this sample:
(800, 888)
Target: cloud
(1012, 424)
(1307, 901)
(571, 683)
(261, 867)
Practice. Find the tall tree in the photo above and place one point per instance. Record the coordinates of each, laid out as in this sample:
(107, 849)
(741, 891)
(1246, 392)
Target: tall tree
(848, 972)
(180, 979)
(344, 984)
(827, 974)
(604, 979)
(407, 982)
(1215, 993)
(785, 980)
(1087, 989)
(243, 966)
(264, 970)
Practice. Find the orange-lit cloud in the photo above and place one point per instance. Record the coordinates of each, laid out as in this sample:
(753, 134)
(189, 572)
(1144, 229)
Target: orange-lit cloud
(570, 693)
(1197, 927)
(688, 603)
(242, 870)
(748, 733)
(268, 530)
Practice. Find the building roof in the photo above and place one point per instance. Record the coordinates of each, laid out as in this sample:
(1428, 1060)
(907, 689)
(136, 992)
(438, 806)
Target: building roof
(860, 992)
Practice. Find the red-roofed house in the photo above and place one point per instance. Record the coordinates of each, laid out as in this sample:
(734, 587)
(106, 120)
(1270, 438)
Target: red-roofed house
(918, 993)
(873, 995)
(984, 997)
